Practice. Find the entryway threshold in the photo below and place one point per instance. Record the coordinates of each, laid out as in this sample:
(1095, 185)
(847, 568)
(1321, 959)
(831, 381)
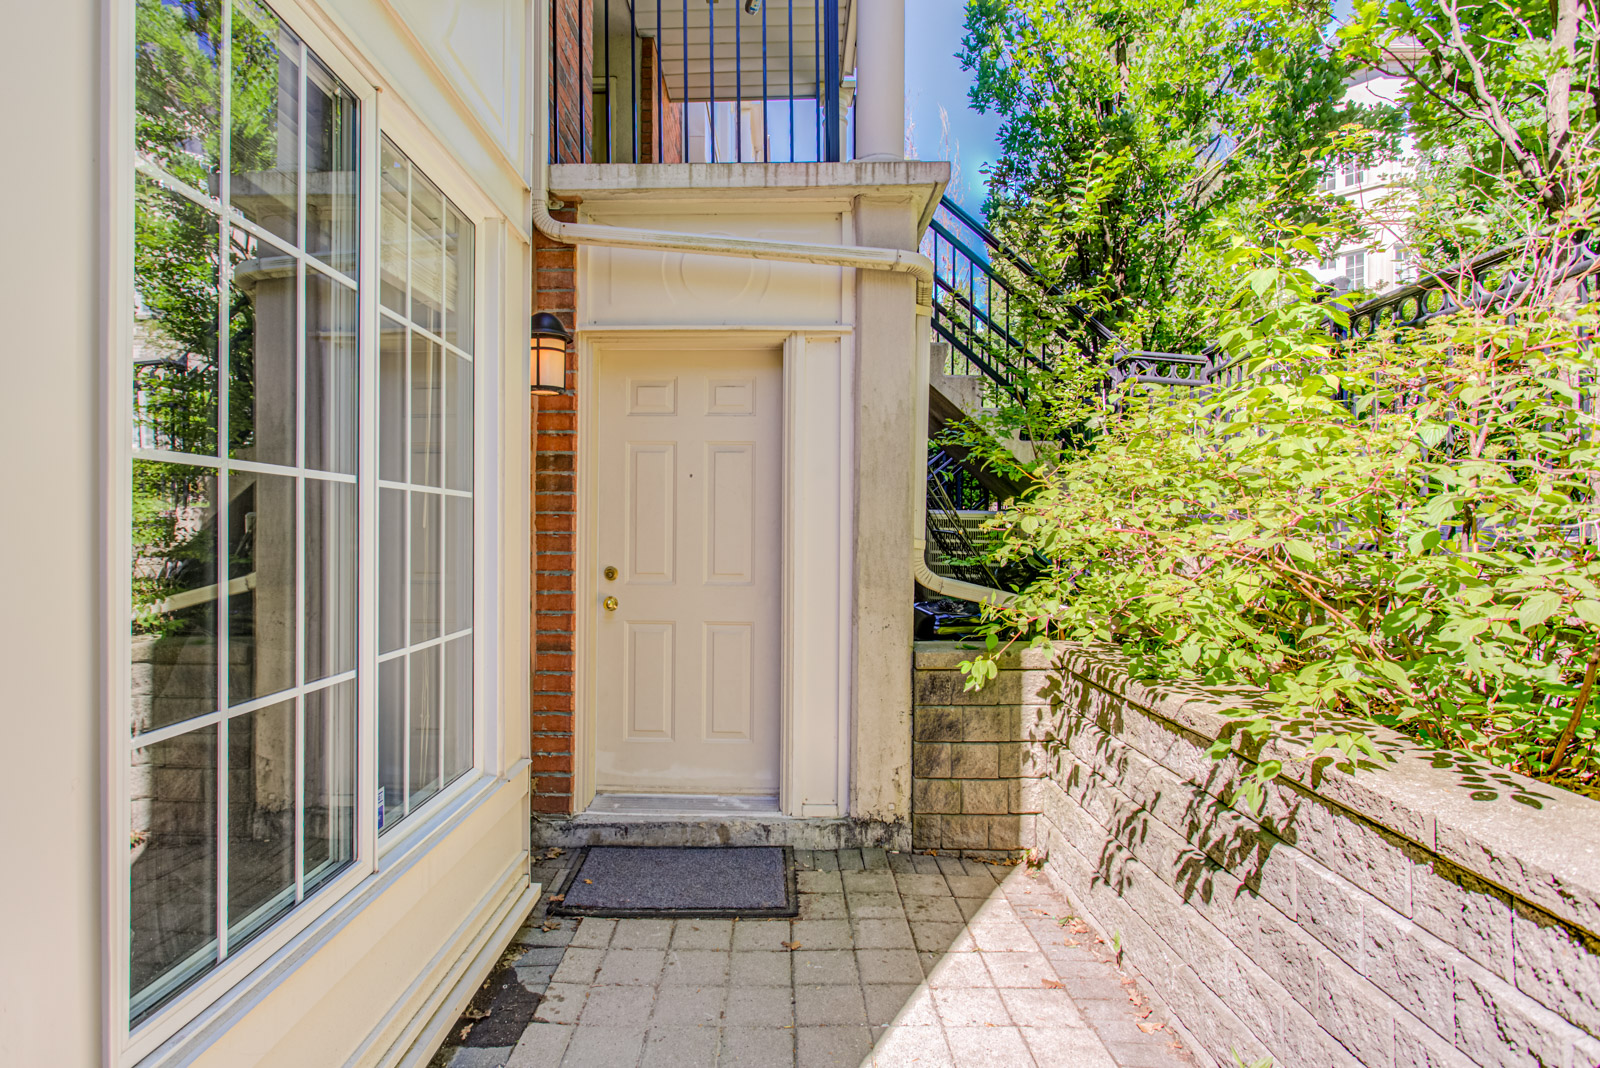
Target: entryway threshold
(710, 820)
(684, 805)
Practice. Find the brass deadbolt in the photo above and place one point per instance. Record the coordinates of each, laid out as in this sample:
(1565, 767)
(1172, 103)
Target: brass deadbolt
(610, 573)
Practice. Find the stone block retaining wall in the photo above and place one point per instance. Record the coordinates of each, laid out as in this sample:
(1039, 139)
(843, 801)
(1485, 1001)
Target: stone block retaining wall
(1432, 912)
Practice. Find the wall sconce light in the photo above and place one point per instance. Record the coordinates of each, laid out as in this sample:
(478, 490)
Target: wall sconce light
(547, 356)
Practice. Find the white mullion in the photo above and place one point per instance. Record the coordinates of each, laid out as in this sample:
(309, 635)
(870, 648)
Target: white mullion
(162, 177)
(369, 168)
(173, 730)
(251, 466)
(301, 488)
(322, 268)
(224, 548)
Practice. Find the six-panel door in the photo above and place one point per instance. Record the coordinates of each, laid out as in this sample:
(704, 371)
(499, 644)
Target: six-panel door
(690, 477)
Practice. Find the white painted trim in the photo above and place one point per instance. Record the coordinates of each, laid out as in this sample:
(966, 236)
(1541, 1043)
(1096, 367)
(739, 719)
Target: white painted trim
(435, 997)
(618, 335)
(592, 348)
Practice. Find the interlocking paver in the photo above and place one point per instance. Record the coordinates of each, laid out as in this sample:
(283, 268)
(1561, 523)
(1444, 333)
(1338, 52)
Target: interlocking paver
(891, 933)
(594, 933)
(689, 1006)
(985, 1047)
(822, 907)
(904, 1045)
(702, 934)
(761, 969)
(829, 1005)
(674, 1047)
(825, 966)
(695, 967)
(618, 1006)
(769, 935)
(822, 934)
(748, 1047)
(833, 1047)
(970, 1006)
(760, 1006)
(896, 959)
(631, 967)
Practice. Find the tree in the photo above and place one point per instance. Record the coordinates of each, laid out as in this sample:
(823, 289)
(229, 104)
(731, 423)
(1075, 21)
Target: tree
(1514, 81)
(1137, 137)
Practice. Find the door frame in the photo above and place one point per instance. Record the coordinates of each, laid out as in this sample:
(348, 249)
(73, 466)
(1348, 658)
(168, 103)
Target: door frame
(797, 742)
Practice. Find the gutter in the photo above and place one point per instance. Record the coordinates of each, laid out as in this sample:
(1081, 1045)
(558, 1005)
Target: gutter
(866, 258)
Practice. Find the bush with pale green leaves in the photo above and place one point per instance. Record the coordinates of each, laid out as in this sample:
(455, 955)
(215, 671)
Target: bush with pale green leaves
(1400, 531)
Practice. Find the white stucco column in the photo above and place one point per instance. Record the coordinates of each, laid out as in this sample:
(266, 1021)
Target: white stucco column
(881, 79)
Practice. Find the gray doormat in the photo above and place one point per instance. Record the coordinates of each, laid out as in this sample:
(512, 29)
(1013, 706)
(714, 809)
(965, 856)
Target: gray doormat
(650, 881)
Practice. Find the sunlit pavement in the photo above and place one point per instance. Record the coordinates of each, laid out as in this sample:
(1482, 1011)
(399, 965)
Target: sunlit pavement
(895, 959)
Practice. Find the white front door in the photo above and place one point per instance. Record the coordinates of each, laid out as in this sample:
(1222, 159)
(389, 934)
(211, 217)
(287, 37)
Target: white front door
(690, 480)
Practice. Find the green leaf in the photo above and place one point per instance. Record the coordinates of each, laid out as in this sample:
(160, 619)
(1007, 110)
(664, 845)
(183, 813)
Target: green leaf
(1538, 608)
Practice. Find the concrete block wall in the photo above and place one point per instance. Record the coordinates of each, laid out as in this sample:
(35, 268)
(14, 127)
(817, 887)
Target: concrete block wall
(1431, 911)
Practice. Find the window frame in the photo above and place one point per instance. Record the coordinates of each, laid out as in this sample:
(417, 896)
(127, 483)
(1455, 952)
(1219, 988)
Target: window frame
(217, 998)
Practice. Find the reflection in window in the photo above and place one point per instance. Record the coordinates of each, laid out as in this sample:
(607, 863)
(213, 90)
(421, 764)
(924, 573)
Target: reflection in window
(244, 523)
(425, 462)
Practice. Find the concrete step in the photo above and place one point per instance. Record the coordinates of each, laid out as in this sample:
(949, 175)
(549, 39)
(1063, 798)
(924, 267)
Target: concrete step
(703, 820)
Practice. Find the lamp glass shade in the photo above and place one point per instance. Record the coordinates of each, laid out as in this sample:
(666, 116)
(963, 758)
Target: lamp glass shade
(549, 365)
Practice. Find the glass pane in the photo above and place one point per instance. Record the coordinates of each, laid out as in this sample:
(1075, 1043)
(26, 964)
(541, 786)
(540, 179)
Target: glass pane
(175, 257)
(174, 593)
(427, 254)
(330, 624)
(391, 401)
(260, 820)
(458, 265)
(261, 585)
(425, 519)
(332, 179)
(457, 707)
(330, 782)
(425, 711)
(177, 86)
(172, 846)
(262, 340)
(391, 742)
(459, 391)
(394, 231)
(391, 569)
(332, 312)
(264, 142)
(458, 565)
(427, 404)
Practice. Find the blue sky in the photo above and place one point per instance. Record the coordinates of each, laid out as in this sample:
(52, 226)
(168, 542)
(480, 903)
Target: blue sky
(933, 78)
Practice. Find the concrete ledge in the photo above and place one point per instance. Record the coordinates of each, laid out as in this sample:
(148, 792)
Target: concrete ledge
(757, 830)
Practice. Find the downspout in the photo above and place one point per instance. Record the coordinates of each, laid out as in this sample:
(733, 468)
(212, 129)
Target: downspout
(893, 260)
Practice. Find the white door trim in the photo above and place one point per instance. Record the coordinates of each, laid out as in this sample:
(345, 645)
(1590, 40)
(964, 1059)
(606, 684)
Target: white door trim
(592, 346)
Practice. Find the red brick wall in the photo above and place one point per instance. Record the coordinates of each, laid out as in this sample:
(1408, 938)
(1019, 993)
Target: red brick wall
(573, 135)
(554, 516)
(654, 96)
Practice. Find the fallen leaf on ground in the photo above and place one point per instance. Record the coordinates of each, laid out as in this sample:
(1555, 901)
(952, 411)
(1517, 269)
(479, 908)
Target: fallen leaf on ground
(1069, 942)
(590, 882)
(1149, 1028)
(558, 898)
(790, 945)
(551, 925)
(1051, 984)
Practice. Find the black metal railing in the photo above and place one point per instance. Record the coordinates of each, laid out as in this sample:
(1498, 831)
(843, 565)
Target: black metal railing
(710, 81)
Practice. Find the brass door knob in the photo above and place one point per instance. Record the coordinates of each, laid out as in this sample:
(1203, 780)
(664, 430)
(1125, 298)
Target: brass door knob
(610, 604)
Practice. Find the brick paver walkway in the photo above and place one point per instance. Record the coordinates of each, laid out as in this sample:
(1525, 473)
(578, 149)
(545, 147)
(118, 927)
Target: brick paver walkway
(895, 959)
